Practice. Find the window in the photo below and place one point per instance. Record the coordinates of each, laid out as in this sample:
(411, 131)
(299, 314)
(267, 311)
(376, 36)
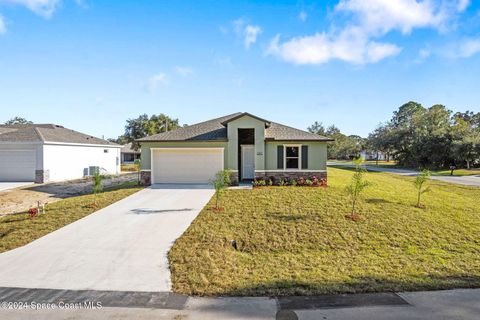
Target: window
(292, 157)
(129, 157)
(105, 150)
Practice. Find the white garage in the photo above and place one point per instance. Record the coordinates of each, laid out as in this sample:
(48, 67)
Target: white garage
(17, 165)
(186, 165)
(49, 152)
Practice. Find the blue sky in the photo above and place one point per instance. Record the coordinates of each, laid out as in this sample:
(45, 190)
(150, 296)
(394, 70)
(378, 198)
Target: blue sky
(90, 65)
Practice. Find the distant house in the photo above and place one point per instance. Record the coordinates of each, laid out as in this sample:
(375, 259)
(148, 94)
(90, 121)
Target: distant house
(249, 146)
(374, 155)
(129, 155)
(49, 152)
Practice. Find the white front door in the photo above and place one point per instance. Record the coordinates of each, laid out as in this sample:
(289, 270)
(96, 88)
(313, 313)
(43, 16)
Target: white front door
(248, 161)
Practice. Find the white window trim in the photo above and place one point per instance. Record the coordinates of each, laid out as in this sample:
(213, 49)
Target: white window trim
(285, 146)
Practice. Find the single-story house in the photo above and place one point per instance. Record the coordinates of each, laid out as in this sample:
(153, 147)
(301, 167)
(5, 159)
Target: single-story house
(49, 152)
(128, 154)
(249, 146)
(374, 155)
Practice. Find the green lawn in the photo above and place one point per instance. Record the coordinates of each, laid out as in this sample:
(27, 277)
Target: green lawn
(458, 172)
(19, 229)
(296, 241)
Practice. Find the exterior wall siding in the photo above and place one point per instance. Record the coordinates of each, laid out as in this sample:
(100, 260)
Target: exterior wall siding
(317, 154)
(65, 162)
(246, 122)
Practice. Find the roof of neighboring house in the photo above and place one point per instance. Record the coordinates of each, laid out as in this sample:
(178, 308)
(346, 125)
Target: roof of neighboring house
(47, 133)
(127, 148)
(216, 130)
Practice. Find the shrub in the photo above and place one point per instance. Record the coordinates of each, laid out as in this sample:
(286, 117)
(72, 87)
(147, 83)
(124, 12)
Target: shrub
(221, 181)
(259, 183)
(97, 185)
(309, 182)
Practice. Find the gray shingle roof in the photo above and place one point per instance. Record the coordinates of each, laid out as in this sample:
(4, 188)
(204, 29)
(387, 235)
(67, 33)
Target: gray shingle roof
(127, 148)
(216, 130)
(46, 133)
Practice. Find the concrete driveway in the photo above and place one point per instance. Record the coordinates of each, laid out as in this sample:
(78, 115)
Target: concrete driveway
(4, 186)
(122, 247)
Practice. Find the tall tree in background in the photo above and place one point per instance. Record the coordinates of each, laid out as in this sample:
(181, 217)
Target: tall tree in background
(343, 146)
(17, 120)
(144, 126)
(430, 137)
(380, 140)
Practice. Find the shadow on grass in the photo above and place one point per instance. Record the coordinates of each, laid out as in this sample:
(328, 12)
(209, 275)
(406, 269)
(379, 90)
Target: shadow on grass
(378, 201)
(287, 216)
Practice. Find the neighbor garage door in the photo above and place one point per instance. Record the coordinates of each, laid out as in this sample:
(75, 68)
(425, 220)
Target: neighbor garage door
(17, 165)
(186, 165)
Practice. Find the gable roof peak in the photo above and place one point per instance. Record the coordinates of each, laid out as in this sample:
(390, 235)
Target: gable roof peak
(243, 114)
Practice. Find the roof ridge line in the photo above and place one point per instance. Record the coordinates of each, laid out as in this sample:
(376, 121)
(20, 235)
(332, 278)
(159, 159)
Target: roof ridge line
(39, 134)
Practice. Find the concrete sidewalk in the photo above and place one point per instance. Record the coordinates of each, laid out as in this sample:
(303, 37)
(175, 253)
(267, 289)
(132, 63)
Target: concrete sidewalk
(461, 304)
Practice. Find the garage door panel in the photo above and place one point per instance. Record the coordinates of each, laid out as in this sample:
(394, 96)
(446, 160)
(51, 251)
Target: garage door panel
(186, 165)
(17, 165)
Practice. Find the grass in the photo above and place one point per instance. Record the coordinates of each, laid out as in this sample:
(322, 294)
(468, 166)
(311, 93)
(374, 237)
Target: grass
(19, 229)
(296, 241)
(458, 172)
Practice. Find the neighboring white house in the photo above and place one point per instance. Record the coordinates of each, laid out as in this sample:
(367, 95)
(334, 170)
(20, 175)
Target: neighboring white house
(48, 152)
(128, 154)
(374, 155)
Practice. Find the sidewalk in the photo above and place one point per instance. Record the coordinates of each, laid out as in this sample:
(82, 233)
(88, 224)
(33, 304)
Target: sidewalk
(461, 304)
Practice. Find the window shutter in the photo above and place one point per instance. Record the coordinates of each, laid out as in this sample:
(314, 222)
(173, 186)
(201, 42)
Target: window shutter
(304, 157)
(280, 157)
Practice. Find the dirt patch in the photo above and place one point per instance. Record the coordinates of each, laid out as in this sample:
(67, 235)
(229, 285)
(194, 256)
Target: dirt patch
(21, 199)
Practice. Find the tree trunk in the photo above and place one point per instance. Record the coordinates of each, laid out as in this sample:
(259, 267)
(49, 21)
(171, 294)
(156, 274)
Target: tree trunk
(468, 164)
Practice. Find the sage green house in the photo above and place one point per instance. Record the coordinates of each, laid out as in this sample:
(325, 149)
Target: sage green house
(247, 145)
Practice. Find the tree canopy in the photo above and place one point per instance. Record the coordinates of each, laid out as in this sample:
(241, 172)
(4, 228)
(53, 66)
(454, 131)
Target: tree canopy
(432, 137)
(17, 120)
(144, 126)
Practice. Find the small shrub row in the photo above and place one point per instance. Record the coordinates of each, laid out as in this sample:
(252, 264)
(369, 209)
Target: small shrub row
(312, 181)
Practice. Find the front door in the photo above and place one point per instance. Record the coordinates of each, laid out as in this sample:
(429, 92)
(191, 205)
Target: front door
(248, 161)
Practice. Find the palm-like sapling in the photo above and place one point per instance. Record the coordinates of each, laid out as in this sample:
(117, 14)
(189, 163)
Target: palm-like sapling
(420, 185)
(357, 185)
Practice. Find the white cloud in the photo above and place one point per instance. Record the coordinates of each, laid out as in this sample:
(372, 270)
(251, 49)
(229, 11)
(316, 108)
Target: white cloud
(357, 41)
(382, 16)
(468, 48)
(3, 28)
(322, 47)
(247, 32)
(251, 34)
(302, 16)
(424, 53)
(184, 71)
(44, 8)
(462, 5)
(156, 81)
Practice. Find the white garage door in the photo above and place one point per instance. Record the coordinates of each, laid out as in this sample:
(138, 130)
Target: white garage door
(186, 165)
(17, 165)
